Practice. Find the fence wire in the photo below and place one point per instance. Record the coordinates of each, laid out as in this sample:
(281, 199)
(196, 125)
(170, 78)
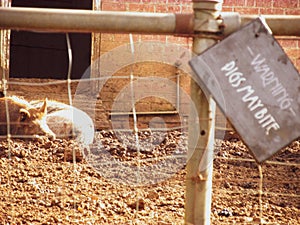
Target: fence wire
(138, 193)
(258, 191)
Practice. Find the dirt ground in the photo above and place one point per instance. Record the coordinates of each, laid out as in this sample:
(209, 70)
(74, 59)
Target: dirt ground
(40, 184)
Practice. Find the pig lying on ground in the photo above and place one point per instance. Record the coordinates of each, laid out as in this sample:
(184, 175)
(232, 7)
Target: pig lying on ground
(24, 119)
(67, 121)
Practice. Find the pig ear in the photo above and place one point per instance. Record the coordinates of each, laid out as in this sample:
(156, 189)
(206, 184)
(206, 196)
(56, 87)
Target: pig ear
(24, 114)
(43, 109)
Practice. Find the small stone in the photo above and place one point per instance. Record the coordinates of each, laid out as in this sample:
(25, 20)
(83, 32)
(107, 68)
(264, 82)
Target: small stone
(47, 144)
(227, 185)
(225, 212)
(23, 154)
(80, 209)
(140, 203)
(248, 219)
(152, 195)
(259, 220)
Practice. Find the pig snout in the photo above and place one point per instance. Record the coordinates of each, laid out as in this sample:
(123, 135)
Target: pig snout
(47, 131)
(40, 128)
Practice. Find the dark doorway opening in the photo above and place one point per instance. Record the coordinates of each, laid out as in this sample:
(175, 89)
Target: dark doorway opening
(45, 55)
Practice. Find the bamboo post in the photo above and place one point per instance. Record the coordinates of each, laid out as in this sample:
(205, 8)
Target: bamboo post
(200, 165)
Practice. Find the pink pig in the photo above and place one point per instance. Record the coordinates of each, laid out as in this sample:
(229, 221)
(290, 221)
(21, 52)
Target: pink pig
(24, 119)
(68, 122)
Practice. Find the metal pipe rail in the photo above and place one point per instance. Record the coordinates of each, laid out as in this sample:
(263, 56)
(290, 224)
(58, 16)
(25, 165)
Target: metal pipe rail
(281, 25)
(87, 21)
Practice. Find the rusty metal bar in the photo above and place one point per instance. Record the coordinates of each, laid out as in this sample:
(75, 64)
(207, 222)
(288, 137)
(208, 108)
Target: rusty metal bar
(86, 21)
(200, 165)
(281, 25)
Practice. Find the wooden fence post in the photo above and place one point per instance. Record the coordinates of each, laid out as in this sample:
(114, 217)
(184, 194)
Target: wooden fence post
(200, 165)
(4, 51)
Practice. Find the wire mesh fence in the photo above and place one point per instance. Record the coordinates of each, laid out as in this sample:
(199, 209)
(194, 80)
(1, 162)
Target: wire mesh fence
(134, 171)
(45, 178)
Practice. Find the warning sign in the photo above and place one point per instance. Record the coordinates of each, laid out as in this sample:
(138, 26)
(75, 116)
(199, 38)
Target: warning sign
(257, 87)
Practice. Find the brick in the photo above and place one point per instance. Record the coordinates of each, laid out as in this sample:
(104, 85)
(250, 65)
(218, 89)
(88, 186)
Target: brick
(178, 1)
(106, 1)
(263, 3)
(107, 37)
(250, 3)
(271, 11)
(113, 6)
(240, 2)
(234, 3)
(155, 38)
(287, 43)
(108, 46)
(293, 53)
(154, 1)
(143, 106)
(160, 8)
(295, 11)
(131, 1)
(178, 40)
(149, 38)
(187, 8)
(161, 106)
(140, 7)
(174, 1)
(228, 9)
(173, 8)
(285, 3)
(163, 8)
(253, 11)
(112, 1)
(125, 38)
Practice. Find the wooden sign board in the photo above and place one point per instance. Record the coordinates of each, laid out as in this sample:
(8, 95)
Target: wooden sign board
(257, 87)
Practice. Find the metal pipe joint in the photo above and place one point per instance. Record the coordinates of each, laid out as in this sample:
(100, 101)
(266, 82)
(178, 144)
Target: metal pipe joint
(208, 22)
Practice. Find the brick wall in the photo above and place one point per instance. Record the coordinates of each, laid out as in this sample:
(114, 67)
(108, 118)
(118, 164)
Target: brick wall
(281, 7)
(107, 42)
(154, 6)
(253, 7)
(291, 45)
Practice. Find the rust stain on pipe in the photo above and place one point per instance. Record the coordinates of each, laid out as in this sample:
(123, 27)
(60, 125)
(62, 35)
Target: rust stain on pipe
(184, 23)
